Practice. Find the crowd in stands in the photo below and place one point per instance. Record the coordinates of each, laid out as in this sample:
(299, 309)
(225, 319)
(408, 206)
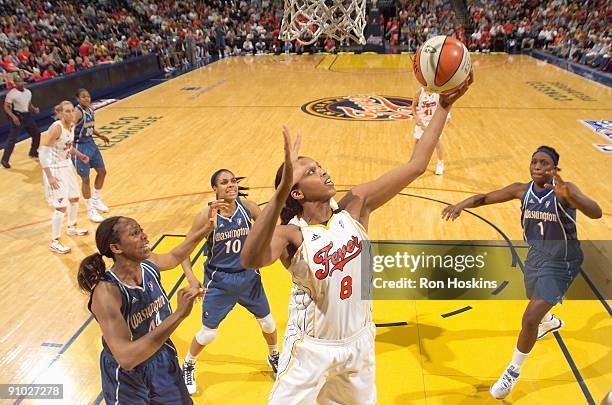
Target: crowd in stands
(41, 39)
(579, 30)
(417, 21)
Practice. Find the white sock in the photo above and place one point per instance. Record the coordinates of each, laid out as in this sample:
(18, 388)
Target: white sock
(96, 194)
(518, 359)
(273, 349)
(56, 224)
(547, 317)
(73, 207)
(189, 358)
(89, 203)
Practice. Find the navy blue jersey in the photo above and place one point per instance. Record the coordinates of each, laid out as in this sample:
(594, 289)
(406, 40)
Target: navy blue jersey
(143, 307)
(224, 244)
(548, 225)
(84, 129)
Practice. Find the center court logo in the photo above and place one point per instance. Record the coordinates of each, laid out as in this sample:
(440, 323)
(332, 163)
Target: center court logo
(361, 108)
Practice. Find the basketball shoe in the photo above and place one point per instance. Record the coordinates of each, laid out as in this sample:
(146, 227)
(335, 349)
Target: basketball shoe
(547, 327)
(189, 376)
(504, 385)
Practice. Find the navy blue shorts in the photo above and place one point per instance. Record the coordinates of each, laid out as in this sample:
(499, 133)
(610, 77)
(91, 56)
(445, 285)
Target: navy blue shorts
(225, 289)
(90, 149)
(159, 380)
(549, 278)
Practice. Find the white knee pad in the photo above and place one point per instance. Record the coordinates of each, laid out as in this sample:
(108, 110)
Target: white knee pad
(267, 324)
(205, 335)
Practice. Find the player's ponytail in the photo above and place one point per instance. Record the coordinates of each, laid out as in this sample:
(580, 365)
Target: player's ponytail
(90, 271)
(93, 266)
(242, 190)
(292, 207)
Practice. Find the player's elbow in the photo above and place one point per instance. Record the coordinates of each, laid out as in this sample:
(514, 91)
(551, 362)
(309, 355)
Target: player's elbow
(247, 260)
(419, 168)
(418, 165)
(597, 213)
(126, 360)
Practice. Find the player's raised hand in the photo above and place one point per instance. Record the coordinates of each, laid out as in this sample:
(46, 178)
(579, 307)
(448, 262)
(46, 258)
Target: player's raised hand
(560, 187)
(451, 212)
(214, 208)
(447, 99)
(290, 175)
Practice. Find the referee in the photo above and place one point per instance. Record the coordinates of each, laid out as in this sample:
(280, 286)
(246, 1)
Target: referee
(18, 106)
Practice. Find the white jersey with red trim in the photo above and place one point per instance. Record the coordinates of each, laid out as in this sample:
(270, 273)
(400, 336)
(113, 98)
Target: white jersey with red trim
(427, 105)
(326, 301)
(60, 151)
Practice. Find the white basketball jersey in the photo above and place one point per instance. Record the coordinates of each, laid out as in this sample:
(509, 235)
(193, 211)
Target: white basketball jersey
(426, 105)
(60, 151)
(326, 301)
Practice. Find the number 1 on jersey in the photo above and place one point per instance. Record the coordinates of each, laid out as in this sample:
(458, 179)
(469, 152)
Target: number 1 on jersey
(541, 225)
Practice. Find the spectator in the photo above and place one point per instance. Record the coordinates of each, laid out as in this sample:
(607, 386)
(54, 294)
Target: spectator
(287, 47)
(50, 73)
(330, 45)
(220, 39)
(247, 46)
(299, 47)
(261, 46)
(70, 67)
(275, 46)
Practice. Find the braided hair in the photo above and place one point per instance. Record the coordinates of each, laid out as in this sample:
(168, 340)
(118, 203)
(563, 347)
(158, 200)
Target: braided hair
(93, 266)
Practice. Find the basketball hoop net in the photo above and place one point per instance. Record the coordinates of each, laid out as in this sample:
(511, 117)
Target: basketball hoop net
(307, 20)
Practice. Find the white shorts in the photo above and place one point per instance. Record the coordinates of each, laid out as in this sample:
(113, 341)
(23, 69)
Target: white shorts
(418, 132)
(68, 186)
(326, 371)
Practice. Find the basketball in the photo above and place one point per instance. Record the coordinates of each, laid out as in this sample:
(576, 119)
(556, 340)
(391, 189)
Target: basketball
(442, 63)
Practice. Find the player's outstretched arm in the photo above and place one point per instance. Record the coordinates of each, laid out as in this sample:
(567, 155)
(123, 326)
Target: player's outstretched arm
(199, 221)
(266, 240)
(106, 307)
(200, 229)
(571, 194)
(513, 191)
(378, 192)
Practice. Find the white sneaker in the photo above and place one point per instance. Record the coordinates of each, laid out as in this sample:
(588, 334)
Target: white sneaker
(504, 385)
(73, 230)
(188, 375)
(440, 167)
(94, 216)
(99, 205)
(549, 326)
(57, 247)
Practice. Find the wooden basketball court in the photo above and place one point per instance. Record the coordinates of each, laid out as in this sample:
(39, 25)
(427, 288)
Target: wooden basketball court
(169, 139)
